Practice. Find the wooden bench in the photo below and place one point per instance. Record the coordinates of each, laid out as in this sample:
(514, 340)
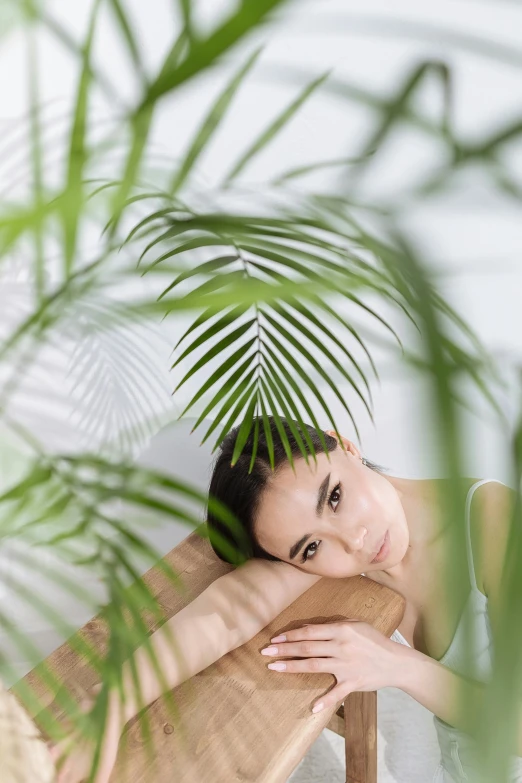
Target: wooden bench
(240, 721)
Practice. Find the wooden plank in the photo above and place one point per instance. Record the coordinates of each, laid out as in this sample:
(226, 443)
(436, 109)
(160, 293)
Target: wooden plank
(197, 566)
(360, 715)
(239, 720)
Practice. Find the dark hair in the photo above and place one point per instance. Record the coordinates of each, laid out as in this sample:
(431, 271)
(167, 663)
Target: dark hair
(241, 491)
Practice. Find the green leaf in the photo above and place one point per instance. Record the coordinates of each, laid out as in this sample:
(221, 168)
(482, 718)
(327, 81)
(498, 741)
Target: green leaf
(279, 425)
(226, 320)
(39, 475)
(160, 213)
(128, 36)
(71, 205)
(214, 265)
(297, 391)
(268, 434)
(244, 431)
(205, 316)
(304, 311)
(274, 128)
(299, 348)
(213, 331)
(191, 245)
(262, 250)
(211, 123)
(300, 371)
(395, 110)
(279, 396)
(217, 375)
(321, 346)
(302, 171)
(232, 400)
(204, 52)
(226, 387)
(242, 403)
(255, 444)
(215, 350)
(140, 125)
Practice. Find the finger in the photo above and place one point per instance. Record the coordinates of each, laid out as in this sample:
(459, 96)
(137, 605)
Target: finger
(325, 631)
(64, 773)
(54, 752)
(332, 698)
(328, 665)
(307, 649)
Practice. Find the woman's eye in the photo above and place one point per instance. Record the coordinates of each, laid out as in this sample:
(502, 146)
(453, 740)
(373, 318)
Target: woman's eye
(306, 556)
(335, 495)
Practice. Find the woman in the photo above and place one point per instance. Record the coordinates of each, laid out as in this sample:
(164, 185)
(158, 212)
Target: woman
(338, 518)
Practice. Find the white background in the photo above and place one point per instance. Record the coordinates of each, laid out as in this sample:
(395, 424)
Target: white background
(473, 237)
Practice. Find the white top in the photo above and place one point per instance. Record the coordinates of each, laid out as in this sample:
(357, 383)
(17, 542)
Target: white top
(456, 752)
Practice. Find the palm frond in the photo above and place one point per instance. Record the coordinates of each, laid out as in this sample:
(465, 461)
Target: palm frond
(273, 129)
(211, 123)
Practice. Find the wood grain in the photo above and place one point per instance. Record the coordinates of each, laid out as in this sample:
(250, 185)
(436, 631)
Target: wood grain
(236, 720)
(360, 715)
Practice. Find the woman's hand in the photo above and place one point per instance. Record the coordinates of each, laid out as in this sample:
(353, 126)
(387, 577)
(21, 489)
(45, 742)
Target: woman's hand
(74, 755)
(360, 657)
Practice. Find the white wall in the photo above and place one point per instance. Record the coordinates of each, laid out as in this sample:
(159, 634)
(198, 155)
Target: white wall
(472, 239)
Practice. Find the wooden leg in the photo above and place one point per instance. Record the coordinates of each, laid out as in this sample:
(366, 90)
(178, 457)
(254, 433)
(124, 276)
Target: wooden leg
(337, 722)
(360, 727)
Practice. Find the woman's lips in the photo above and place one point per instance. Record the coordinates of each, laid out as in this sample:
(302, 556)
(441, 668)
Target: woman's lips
(382, 554)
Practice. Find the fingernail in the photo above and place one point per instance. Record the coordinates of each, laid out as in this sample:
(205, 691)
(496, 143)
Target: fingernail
(318, 707)
(269, 651)
(279, 666)
(280, 638)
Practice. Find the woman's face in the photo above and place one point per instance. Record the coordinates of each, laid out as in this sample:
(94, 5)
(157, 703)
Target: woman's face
(330, 518)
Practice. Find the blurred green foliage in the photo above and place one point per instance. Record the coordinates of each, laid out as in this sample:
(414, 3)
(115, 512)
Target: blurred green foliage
(272, 295)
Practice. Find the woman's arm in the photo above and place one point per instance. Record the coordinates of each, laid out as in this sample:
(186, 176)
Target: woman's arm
(224, 616)
(452, 698)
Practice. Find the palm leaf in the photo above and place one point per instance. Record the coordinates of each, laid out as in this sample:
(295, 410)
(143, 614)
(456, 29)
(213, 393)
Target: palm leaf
(128, 35)
(301, 350)
(274, 128)
(237, 398)
(279, 393)
(225, 388)
(243, 404)
(72, 204)
(211, 123)
(204, 52)
(301, 171)
(286, 375)
(394, 112)
(321, 346)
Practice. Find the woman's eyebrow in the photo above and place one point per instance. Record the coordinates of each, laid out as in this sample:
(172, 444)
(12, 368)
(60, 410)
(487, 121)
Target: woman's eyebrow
(298, 544)
(321, 499)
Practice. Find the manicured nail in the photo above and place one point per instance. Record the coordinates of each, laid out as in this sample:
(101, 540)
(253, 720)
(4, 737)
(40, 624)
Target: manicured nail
(318, 707)
(280, 638)
(279, 666)
(269, 651)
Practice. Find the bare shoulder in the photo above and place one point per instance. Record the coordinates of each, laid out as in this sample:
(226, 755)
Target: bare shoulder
(489, 523)
(490, 517)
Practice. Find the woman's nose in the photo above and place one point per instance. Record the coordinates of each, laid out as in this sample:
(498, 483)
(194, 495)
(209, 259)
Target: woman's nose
(355, 539)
